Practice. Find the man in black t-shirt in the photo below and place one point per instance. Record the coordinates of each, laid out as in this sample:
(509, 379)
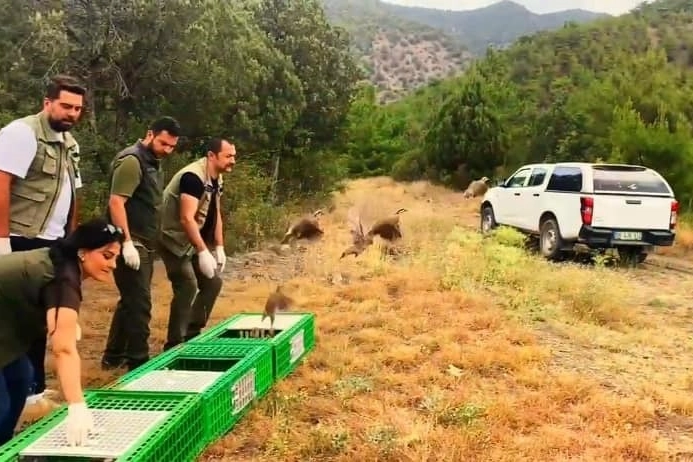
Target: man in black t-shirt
(191, 225)
(191, 184)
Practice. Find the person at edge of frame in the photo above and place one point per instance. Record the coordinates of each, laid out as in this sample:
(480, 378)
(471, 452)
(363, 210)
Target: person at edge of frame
(191, 224)
(45, 298)
(39, 177)
(136, 182)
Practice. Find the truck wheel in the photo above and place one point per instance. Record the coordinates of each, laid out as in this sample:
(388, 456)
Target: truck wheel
(550, 241)
(488, 219)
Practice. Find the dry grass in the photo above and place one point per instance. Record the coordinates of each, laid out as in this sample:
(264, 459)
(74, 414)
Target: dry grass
(683, 246)
(461, 349)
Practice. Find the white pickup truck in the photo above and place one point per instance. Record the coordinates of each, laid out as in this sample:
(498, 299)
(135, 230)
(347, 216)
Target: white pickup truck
(598, 206)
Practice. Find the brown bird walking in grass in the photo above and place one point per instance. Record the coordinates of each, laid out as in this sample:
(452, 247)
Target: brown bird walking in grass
(387, 228)
(304, 228)
(276, 301)
(477, 188)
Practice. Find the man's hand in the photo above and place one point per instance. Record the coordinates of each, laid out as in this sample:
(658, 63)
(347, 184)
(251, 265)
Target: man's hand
(5, 246)
(221, 257)
(208, 264)
(131, 255)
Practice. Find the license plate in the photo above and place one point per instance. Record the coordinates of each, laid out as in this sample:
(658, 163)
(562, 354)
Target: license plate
(628, 235)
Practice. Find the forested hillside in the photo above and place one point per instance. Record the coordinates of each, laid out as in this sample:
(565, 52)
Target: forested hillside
(273, 76)
(619, 89)
(402, 48)
(281, 82)
(498, 24)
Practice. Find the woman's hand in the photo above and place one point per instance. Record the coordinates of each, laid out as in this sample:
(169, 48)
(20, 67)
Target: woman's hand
(63, 331)
(78, 424)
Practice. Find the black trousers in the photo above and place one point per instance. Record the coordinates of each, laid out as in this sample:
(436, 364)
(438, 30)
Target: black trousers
(37, 352)
(128, 337)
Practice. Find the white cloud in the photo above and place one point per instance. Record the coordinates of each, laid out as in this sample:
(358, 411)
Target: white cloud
(538, 6)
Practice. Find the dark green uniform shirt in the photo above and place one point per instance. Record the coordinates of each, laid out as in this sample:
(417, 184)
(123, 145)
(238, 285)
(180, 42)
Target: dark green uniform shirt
(136, 174)
(29, 286)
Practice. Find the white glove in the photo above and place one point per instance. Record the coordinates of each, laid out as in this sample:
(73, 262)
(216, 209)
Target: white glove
(131, 255)
(5, 246)
(207, 262)
(221, 257)
(78, 424)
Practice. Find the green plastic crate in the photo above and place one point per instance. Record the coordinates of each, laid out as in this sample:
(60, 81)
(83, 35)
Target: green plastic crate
(139, 370)
(179, 437)
(294, 337)
(214, 351)
(244, 374)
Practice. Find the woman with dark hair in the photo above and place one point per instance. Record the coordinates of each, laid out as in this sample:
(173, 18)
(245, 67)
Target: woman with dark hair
(41, 291)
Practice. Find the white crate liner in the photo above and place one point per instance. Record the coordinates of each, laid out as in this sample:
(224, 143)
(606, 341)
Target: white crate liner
(243, 391)
(174, 381)
(297, 347)
(116, 432)
(282, 321)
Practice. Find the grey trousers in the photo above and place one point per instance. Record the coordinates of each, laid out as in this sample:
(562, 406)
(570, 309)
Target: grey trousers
(194, 295)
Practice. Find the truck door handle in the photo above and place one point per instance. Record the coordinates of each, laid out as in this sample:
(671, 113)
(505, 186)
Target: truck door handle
(517, 194)
(535, 194)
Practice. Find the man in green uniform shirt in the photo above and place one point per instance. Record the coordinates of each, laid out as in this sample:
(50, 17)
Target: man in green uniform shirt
(136, 188)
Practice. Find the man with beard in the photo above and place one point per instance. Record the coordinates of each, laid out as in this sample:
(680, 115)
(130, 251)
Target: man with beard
(136, 182)
(39, 176)
(191, 224)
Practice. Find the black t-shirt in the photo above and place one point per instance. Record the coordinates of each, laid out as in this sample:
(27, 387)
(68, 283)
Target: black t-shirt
(64, 290)
(192, 184)
(26, 294)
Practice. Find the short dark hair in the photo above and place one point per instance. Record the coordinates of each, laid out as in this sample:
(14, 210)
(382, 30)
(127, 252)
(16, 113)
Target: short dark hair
(62, 82)
(214, 145)
(166, 123)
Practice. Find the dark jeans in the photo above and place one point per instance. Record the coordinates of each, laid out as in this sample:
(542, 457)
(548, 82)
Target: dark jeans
(128, 338)
(190, 308)
(37, 352)
(14, 388)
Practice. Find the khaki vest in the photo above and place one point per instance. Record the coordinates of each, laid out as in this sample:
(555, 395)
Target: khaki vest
(33, 198)
(172, 235)
(22, 318)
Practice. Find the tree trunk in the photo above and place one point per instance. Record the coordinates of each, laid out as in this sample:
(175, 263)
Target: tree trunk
(275, 179)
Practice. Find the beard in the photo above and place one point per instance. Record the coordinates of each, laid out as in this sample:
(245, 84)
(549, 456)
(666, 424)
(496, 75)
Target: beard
(150, 148)
(60, 125)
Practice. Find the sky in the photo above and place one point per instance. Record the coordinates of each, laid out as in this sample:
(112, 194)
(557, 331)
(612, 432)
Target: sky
(614, 7)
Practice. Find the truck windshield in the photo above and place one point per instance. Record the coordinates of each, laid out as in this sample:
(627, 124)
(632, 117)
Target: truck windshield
(628, 180)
